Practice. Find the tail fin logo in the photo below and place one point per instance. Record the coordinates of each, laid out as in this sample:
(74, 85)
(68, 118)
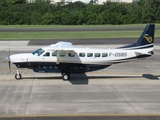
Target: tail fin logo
(148, 38)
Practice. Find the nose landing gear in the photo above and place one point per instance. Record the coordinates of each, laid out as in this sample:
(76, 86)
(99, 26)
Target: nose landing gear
(18, 76)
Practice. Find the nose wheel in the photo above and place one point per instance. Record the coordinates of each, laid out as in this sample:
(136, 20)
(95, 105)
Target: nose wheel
(18, 76)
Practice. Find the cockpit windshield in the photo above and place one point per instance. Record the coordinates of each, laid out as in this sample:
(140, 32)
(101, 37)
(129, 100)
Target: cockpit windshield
(38, 52)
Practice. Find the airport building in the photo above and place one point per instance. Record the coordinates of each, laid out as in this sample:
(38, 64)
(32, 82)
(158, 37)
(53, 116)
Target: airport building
(97, 2)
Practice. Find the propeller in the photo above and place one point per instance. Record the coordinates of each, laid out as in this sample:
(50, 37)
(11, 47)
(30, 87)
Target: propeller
(9, 61)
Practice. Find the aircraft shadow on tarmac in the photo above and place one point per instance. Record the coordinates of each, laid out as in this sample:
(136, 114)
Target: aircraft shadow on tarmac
(151, 77)
(148, 76)
(84, 79)
(75, 80)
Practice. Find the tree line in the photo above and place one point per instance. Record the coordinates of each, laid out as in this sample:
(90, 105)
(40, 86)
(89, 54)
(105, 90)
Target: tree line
(18, 12)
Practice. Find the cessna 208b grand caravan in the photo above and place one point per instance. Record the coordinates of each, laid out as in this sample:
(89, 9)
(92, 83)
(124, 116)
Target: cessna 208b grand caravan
(63, 57)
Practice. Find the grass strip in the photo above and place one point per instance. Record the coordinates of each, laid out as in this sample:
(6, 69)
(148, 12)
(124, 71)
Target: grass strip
(71, 35)
(74, 26)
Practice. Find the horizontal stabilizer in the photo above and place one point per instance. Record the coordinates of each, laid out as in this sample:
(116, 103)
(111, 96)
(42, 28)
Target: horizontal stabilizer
(144, 53)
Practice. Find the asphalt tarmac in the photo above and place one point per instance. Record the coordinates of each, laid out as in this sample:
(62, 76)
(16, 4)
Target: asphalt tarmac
(93, 41)
(130, 88)
(88, 28)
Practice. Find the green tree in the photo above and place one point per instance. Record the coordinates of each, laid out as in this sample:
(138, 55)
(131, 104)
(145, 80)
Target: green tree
(47, 19)
(16, 1)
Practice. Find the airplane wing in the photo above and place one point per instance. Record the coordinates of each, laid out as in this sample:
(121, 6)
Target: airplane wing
(62, 45)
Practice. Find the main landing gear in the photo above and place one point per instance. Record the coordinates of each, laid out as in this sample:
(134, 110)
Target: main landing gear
(18, 76)
(65, 75)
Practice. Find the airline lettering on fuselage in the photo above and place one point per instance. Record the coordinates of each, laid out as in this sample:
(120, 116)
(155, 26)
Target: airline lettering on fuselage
(119, 54)
(148, 38)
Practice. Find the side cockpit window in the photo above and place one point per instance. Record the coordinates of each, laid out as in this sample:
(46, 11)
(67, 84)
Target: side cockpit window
(47, 54)
(38, 52)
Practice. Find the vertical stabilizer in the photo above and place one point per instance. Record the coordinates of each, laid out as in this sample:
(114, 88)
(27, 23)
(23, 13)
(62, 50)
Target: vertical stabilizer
(146, 39)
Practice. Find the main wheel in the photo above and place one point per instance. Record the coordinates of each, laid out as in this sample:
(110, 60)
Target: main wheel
(18, 76)
(65, 76)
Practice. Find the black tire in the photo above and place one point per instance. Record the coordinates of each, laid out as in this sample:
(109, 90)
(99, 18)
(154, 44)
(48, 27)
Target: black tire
(18, 76)
(65, 76)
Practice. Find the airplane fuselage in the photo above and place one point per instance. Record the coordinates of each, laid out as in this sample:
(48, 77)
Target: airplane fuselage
(79, 60)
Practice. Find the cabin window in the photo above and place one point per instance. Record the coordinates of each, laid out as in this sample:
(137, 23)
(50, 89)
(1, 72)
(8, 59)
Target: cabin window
(62, 54)
(97, 54)
(89, 54)
(47, 54)
(54, 53)
(104, 54)
(81, 54)
(38, 52)
(71, 54)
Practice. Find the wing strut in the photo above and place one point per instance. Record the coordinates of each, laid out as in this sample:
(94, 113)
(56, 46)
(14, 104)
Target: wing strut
(58, 57)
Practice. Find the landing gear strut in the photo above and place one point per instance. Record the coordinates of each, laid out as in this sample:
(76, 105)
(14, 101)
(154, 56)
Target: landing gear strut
(66, 76)
(18, 76)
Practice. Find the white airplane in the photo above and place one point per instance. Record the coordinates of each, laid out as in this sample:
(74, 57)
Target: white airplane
(63, 57)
